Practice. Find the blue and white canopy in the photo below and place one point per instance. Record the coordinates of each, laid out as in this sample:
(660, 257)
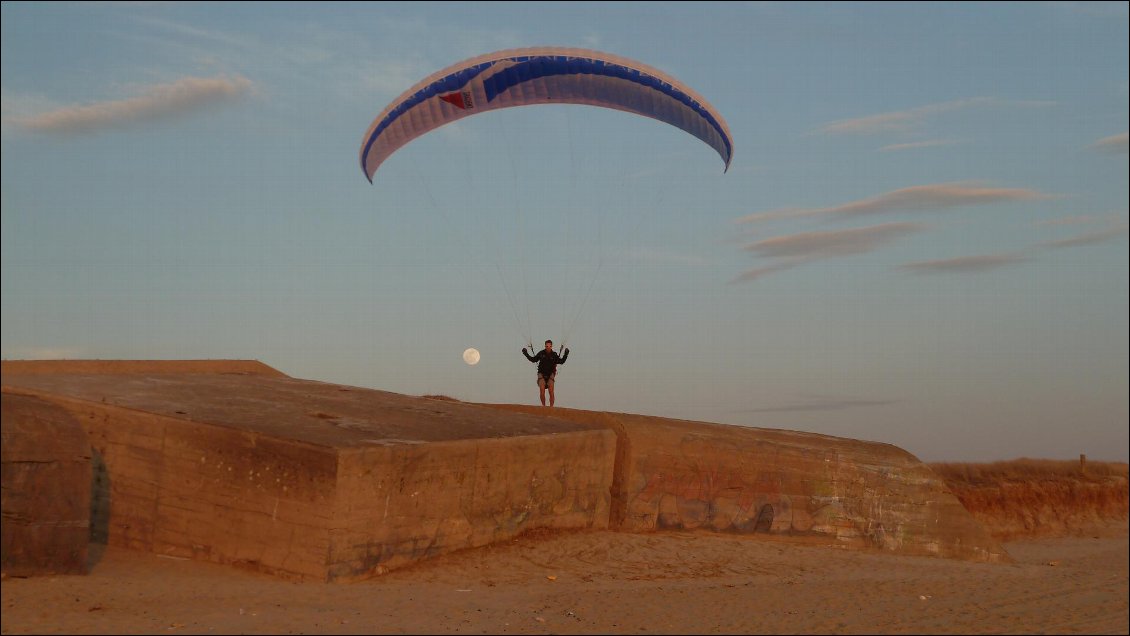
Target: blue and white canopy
(549, 75)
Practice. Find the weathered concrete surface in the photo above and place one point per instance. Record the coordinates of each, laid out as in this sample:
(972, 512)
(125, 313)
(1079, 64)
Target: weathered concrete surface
(314, 480)
(135, 367)
(46, 474)
(676, 474)
(400, 505)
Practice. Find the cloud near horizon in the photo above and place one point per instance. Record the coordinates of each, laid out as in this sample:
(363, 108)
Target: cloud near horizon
(160, 100)
(936, 196)
(46, 353)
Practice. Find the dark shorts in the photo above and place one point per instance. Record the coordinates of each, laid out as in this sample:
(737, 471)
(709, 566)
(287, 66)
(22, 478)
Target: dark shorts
(544, 381)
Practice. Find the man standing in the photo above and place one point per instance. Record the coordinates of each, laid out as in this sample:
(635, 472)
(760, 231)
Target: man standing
(547, 360)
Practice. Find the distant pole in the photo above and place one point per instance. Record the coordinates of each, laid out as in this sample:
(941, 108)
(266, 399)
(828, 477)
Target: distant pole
(1082, 463)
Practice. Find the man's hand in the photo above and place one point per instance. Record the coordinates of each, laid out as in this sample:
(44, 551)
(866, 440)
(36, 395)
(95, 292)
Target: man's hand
(524, 350)
(566, 352)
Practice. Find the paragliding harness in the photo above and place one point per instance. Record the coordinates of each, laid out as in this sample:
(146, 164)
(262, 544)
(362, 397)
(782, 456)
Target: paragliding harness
(548, 379)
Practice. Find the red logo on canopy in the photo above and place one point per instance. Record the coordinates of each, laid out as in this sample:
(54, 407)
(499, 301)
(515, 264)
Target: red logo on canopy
(462, 99)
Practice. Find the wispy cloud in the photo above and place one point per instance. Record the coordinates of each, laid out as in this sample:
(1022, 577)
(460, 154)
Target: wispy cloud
(1091, 238)
(654, 256)
(907, 120)
(751, 275)
(989, 262)
(798, 249)
(157, 101)
(389, 76)
(966, 264)
(208, 35)
(1068, 220)
(1115, 144)
(832, 243)
(914, 145)
(15, 107)
(817, 403)
(305, 46)
(926, 197)
(900, 120)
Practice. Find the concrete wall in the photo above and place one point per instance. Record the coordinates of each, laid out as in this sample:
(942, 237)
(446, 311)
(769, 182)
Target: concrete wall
(199, 491)
(46, 472)
(300, 510)
(246, 499)
(400, 504)
(674, 474)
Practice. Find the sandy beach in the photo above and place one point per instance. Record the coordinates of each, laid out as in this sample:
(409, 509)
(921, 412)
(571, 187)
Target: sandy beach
(606, 582)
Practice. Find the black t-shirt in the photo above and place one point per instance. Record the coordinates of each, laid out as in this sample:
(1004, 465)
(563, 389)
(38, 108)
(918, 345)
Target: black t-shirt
(547, 361)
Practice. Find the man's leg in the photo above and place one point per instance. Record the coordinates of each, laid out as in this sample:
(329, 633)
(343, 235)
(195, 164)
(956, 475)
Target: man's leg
(550, 395)
(541, 389)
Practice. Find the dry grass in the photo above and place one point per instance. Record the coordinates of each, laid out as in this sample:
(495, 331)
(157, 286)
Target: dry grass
(440, 397)
(1025, 469)
(1040, 497)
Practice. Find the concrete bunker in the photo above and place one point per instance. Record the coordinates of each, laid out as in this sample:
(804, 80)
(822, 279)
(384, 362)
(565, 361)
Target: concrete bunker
(234, 462)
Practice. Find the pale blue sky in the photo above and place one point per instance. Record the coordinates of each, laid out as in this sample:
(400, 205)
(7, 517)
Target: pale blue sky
(922, 239)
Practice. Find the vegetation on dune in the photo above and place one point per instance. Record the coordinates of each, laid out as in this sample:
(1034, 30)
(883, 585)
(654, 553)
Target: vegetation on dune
(1025, 468)
(1040, 497)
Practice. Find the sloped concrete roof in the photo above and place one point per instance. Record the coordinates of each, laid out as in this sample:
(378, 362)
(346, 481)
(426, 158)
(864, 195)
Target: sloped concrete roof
(259, 399)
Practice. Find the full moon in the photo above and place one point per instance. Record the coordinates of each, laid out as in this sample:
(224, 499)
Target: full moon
(471, 356)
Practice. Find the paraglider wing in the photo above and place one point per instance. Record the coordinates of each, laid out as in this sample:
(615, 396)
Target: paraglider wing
(522, 77)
